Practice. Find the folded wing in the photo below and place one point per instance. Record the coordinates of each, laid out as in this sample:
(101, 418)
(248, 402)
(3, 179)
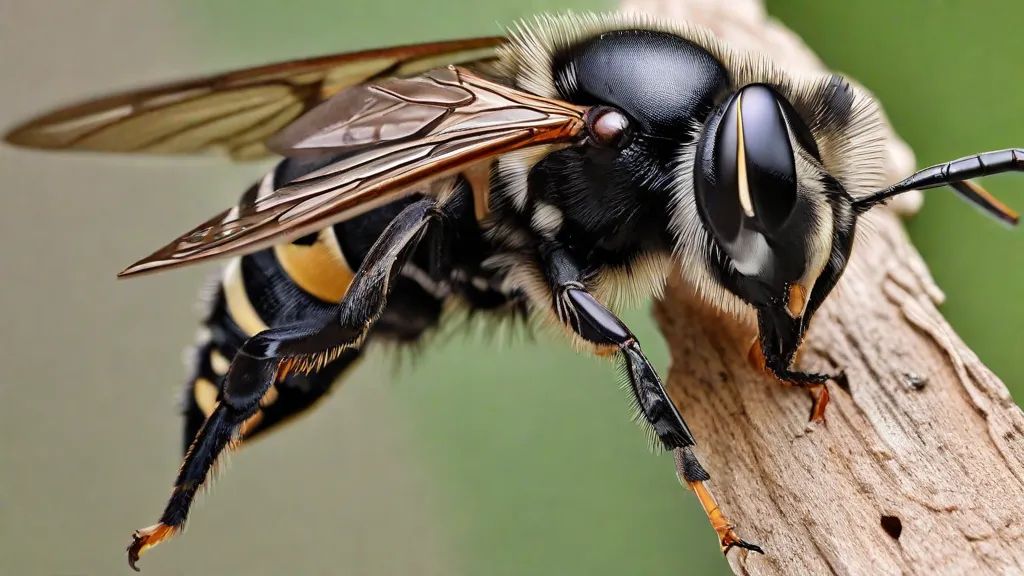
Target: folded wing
(390, 137)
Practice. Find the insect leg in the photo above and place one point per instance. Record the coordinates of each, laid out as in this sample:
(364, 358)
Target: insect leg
(589, 319)
(779, 338)
(288, 399)
(277, 352)
(201, 390)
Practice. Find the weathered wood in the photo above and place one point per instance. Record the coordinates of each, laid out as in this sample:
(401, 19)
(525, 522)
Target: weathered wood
(920, 467)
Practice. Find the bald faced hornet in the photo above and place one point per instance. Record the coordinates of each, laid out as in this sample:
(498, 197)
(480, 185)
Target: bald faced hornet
(578, 161)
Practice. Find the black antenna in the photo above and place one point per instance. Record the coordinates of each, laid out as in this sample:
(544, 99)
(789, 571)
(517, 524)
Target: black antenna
(956, 174)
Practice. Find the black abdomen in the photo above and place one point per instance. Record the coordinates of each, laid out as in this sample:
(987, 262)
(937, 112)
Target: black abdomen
(294, 283)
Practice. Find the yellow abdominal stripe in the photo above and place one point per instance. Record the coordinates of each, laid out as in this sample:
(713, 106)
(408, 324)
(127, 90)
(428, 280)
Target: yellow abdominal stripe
(237, 300)
(319, 269)
(205, 394)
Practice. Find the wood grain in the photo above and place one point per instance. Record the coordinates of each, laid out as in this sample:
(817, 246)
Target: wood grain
(920, 467)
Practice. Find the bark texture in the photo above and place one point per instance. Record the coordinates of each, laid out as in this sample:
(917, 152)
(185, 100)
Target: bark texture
(920, 467)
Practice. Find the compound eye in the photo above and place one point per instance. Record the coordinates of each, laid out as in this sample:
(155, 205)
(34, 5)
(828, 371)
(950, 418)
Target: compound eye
(608, 127)
(765, 163)
(746, 176)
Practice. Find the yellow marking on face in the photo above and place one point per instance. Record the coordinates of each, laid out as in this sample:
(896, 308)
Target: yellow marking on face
(320, 269)
(205, 394)
(219, 363)
(741, 162)
(239, 306)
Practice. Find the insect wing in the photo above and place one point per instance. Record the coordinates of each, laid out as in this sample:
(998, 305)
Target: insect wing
(392, 137)
(236, 111)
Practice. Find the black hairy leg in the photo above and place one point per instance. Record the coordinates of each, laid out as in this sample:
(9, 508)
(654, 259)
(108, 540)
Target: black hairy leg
(593, 322)
(294, 395)
(201, 390)
(275, 353)
(287, 399)
(589, 319)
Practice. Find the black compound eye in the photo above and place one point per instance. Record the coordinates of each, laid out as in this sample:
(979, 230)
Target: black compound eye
(608, 127)
(747, 168)
(766, 166)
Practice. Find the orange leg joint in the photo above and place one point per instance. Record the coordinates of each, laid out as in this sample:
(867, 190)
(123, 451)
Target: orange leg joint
(755, 356)
(819, 392)
(821, 397)
(145, 539)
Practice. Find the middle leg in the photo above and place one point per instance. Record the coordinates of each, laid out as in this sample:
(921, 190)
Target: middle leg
(594, 323)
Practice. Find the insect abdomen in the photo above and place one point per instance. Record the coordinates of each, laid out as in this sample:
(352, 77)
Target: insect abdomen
(285, 284)
(273, 287)
(295, 283)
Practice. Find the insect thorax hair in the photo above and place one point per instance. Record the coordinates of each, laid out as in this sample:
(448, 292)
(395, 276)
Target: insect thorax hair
(521, 221)
(843, 118)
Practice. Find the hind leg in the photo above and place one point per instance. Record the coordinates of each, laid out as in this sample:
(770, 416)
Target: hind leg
(273, 354)
(410, 312)
(282, 402)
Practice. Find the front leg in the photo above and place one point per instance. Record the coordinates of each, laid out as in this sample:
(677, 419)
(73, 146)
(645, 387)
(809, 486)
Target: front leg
(780, 333)
(594, 323)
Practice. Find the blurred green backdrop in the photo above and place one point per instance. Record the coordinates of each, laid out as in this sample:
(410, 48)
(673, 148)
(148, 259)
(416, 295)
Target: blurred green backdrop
(477, 458)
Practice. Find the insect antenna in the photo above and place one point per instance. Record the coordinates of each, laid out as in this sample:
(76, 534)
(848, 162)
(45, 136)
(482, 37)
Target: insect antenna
(957, 174)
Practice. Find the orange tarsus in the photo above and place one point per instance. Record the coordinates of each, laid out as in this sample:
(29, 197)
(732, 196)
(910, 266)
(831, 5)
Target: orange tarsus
(145, 539)
(727, 537)
(821, 398)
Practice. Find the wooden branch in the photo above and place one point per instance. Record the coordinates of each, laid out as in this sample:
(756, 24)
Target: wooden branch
(920, 467)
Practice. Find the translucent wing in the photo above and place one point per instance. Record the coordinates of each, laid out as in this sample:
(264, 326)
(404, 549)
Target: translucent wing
(236, 111)
(389, 136)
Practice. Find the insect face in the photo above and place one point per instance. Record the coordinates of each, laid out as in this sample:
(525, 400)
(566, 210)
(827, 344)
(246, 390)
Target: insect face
(759, 206)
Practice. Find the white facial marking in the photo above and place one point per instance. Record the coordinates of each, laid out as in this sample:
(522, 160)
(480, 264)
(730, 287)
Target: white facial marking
(751, 254)
(741, 162)
(692, 241)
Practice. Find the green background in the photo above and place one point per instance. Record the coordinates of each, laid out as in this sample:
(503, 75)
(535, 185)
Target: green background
(487, 455)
